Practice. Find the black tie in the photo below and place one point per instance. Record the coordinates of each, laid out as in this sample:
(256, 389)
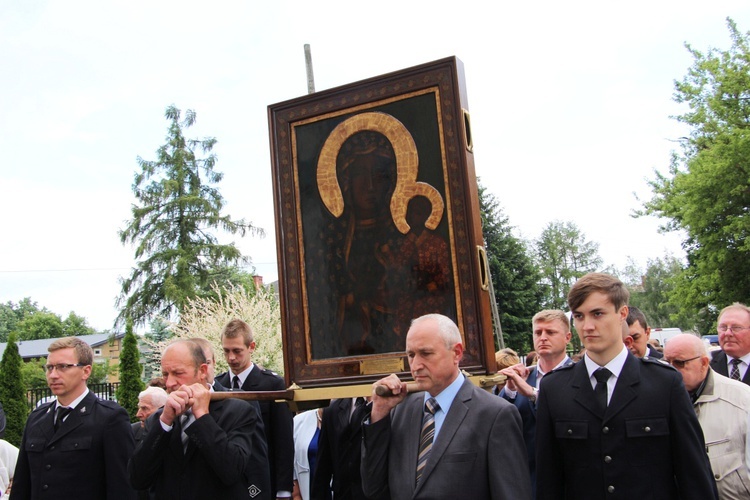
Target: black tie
(236, 383)
(601, 375)
(735, 373)
(62, 412)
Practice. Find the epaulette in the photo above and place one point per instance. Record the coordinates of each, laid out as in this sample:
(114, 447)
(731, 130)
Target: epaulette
(266, 371)
(560, 369)
(656, 361)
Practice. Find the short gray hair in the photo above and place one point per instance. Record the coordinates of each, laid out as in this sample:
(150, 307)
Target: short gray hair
(446, 327)
(157, 395)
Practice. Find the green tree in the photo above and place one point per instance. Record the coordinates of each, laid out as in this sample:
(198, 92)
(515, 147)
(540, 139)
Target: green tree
(514, 277)
(563, 255)
(159, 331)
(706, 193)
(12, 393)
(40, 325)
(130, 373)
(11, 314)
(178, 209)
(653, 291)
(32, 373)
(75, 325)
(100, 372)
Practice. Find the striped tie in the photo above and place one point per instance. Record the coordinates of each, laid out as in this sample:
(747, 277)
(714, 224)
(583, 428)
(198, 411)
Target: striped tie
(427, 435)
(735, 373)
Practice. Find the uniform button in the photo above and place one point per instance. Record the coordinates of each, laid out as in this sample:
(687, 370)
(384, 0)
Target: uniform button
(716, 476)
(45, 487)
(75, 445)
(607, 459)
(647, 429)
(48, 466)
(605, 430)
(610, 489)
(52, 447)
(570, 431)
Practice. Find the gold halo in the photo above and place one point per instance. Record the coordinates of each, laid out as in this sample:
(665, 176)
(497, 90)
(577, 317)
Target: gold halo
(407, 166)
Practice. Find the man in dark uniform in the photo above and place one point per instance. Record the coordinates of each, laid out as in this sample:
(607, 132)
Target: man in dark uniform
(614, 426)
(237, 341)
(77, 446)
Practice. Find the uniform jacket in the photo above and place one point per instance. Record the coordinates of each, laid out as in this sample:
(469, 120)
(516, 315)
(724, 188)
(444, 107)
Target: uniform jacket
(722, 410)
(474, 456)
(651, 352)
(527, 410)
(277, 423)
(647, 445)
(719, 365)
(215, 463)
(85, 459)
(339, 452)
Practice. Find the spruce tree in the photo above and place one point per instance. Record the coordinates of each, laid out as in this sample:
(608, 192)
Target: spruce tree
(12, 392)
(130, 373)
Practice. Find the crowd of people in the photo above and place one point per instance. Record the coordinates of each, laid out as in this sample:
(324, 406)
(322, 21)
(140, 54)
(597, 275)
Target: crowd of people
(624, 421)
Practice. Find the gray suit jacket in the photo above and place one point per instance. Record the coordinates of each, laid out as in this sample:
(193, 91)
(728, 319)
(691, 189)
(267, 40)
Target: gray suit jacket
(476, 454)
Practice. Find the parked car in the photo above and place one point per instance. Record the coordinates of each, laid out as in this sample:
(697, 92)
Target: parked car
(664, 334)
(712, 340)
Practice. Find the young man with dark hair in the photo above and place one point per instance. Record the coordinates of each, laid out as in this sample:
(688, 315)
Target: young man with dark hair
(614, 426)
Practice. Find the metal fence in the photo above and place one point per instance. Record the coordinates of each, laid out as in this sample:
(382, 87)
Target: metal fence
(41, 395)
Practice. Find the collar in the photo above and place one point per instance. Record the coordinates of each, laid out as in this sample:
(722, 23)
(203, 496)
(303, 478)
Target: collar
(76, 401)
(540, 373)
(242, 375)
(699, 391)
(446, 397)
(745, 359)
(614, 365)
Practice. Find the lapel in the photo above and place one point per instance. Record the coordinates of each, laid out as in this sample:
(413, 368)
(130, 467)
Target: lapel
(719, 363)
(583, 392)
(251, 382)
(76, 418)
(453, 419)
(625, 392)
(342, 415)
(412, 418)
(47, 421)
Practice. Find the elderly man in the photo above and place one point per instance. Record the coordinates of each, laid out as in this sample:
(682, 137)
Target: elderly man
(605, 420)
(78, 445)
(195, 448)
(734, 338)
(451, 441)
(722, 406)
(551, 335)
(149, 400)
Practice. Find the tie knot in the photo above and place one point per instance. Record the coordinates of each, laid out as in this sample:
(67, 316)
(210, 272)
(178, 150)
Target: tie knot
(736, 362)
(235, 382)
(602, 375)
(431, 406)
(359, 402)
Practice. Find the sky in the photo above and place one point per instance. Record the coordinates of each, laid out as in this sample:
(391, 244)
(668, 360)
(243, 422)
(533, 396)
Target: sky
(570, 102)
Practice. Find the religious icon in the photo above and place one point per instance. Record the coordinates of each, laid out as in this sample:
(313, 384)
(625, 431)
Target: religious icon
(377, 224)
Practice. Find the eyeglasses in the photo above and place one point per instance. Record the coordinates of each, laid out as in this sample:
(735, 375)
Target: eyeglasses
(734, 329)
(61, 367)
(680, 363)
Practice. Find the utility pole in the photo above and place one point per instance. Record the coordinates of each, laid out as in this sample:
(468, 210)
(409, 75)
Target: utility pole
(308, 66)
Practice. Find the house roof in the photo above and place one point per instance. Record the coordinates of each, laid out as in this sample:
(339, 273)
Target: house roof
(29, 349)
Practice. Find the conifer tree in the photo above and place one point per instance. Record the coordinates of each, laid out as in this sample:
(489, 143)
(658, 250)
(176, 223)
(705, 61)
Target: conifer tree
(130, 373)
(12, 392)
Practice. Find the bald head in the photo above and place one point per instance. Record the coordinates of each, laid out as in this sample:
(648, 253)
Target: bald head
(688, 354)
